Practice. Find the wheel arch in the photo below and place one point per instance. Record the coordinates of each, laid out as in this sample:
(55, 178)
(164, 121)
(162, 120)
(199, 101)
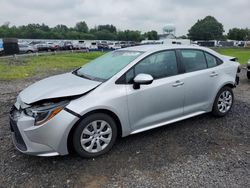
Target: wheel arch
(29, 51)
(104, 111)
(231, 85)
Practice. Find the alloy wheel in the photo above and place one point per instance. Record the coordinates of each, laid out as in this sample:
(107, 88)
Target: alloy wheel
(96, 136)
(225, 101)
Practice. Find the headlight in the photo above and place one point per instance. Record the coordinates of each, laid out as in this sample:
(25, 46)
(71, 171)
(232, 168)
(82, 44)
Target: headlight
(45, 112)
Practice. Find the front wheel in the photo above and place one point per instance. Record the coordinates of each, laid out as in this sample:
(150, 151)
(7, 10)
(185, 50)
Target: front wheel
(223, 102)
(95, 135)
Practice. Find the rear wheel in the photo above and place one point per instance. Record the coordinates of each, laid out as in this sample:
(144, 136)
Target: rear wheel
(95, 135)
(223, 102)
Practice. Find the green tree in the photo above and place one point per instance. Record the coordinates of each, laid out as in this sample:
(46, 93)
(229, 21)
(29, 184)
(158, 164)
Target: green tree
(44, 27)
(81, 27)
(109, 28)
(80, 31)
(206, 29)
(61, 28)
(129, 35)
(105, 35)
(151, 35)
(238, 34)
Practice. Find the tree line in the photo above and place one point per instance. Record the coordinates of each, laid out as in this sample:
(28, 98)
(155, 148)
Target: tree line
(205, 29)
(79, 31)
(210, 29)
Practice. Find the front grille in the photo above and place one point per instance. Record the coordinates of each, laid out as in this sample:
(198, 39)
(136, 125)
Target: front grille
(14, 129)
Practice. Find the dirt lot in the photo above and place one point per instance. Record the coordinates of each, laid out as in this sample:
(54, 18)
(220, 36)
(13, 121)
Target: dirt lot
(200, 152)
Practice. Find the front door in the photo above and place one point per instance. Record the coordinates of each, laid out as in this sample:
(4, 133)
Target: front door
(160, 101)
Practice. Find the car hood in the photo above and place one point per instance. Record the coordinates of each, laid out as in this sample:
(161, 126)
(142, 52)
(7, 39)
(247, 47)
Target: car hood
(64, 85)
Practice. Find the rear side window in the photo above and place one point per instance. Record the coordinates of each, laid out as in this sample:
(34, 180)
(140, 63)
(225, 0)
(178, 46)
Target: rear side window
(211, 60)
(219, 61)
(193, 60)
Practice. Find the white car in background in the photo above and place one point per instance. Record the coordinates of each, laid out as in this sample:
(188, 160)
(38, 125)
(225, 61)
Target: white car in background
(79, 45)
(114, 45)
(93, 46)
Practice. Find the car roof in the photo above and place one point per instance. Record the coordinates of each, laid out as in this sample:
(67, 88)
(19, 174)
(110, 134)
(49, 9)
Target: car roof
(152, 48)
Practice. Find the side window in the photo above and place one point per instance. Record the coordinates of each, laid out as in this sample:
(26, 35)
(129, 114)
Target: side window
(211, 60)
(193, 60)
(130, 76)
(219, 61)
(160, 65)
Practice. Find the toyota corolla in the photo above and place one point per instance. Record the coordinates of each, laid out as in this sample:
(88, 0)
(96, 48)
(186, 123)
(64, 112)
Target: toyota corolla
(123, 92)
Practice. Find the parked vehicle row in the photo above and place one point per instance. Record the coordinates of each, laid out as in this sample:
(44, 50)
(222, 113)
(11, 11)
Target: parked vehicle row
(43, 46)
(38, 46)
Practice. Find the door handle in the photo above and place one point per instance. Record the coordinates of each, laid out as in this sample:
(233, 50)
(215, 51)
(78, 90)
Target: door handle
(178, 83)
(213, 74)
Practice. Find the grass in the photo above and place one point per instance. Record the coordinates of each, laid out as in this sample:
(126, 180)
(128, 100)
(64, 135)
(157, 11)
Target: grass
(22, 68)
(243, 54)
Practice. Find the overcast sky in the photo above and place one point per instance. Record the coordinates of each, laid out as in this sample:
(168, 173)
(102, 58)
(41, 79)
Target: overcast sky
(140, 15)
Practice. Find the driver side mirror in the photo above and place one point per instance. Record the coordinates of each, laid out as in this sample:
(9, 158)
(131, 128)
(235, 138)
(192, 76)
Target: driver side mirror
(142, 79)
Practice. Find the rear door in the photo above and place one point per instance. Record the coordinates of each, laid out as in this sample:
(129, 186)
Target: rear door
(200, 80)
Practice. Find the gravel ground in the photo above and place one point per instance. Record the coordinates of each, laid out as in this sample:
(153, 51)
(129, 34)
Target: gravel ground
(199, 152)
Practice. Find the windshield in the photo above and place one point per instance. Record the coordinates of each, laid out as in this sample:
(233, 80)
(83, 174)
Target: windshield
(107, 65)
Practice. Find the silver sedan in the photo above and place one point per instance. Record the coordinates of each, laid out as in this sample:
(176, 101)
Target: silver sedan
(123, 92)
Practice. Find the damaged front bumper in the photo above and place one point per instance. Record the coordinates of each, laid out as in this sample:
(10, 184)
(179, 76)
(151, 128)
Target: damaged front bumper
(49, 139)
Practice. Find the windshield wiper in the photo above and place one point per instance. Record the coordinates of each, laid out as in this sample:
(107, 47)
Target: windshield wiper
(75, 72)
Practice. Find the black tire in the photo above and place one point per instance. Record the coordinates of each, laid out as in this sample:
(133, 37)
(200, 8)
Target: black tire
(216, 112)
(248, 75)
(84, 123)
